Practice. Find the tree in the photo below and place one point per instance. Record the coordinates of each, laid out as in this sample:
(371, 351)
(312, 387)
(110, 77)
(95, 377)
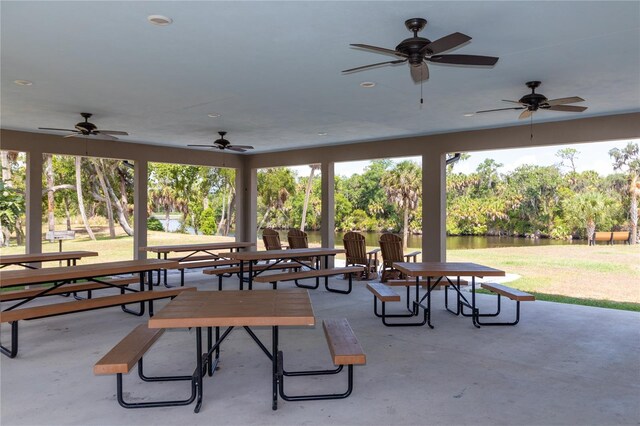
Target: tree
(568, 155)
(275, 185)
(628, 159)
(403, 186)
(313, 168)
(588, 209)
(78, 166)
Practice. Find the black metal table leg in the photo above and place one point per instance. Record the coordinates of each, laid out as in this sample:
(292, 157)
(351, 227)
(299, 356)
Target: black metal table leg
(274, 363)
(199, 378)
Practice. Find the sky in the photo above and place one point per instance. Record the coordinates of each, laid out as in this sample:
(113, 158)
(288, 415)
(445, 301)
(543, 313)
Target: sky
(591, 156)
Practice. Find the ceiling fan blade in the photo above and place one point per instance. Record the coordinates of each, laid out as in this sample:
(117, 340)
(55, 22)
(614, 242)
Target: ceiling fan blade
(445, 43)
(567, 108)
(419, 73)
(399, 61)
(525, 114)
(105, 136)
(112, 132)
(207, 146)
(513, 102)
(562, 101)
(235, 148)
(498, 109)
(240, 146)
(73, 135)
(60, 130)
(380, 50)
(463, 60)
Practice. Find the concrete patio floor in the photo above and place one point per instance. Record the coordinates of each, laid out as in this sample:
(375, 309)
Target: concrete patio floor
(562, 364)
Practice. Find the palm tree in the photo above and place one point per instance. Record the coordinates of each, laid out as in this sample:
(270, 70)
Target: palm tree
(629, 158)
(275, 185)
(403, 186)
(588, 209)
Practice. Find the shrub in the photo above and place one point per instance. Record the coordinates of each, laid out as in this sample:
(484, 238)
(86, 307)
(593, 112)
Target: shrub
(153, 224)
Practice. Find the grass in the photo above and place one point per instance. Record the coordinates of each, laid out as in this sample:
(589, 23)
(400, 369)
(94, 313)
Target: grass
(596, 303)
(604, 276)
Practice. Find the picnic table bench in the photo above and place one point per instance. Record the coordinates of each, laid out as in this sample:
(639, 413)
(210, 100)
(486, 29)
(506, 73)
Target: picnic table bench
(314, 273)
(62, 282)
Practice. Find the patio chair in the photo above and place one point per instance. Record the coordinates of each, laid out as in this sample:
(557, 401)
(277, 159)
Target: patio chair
(298, 240)
(357, 255)
(391, 247)
(271, 239)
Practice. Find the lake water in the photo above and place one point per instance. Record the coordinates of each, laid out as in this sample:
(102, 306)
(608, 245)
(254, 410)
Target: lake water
(453, 243)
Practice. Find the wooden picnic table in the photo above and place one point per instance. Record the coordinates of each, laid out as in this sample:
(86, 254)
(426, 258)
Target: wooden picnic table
(437, 271)
(193, 250)
(23, 260)
(234, 308)
(296, 256)
(64, 276)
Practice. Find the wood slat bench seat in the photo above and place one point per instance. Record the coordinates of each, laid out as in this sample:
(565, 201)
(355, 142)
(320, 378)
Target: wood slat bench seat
(343, 344)
(314, 273)
(36, 312)
(423, 283)
(191, 263)
(601, 236)
(129, 352)
(623, 236)
(510, 293)
(383, 292)
(230, 270)
(122, 357)
(345, 350)
(43, 311)
(6, 296)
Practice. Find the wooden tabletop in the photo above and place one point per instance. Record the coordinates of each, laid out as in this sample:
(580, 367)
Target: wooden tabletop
(439, 269)
(44, 275)
(13, 259)
(198, 247)
(284, 254)
(236, 308)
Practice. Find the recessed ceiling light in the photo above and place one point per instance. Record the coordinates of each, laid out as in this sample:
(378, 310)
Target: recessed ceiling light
(159, 20)
(469, 114)
(367, 84)
(23, 82)
(322, 133)
(213, 115)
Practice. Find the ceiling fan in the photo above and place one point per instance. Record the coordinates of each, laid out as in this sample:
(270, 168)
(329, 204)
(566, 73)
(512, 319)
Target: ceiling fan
(534, 101)
(222, 143)
(417, 51)
(85, 128)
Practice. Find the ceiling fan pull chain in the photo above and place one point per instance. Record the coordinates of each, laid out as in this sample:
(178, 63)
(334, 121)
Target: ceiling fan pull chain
(531, 127)
(421, 99)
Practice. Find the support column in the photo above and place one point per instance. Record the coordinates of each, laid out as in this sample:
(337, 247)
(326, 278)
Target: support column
(34, 202)
(328, 215)
(246, 203)
(434, 206)
(140, 200)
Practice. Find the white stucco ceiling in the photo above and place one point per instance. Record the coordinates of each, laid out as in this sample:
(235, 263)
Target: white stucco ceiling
(272, 69)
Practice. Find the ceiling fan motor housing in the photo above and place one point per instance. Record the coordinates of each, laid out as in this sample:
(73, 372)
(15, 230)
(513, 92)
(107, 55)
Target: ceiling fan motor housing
(412, 48)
